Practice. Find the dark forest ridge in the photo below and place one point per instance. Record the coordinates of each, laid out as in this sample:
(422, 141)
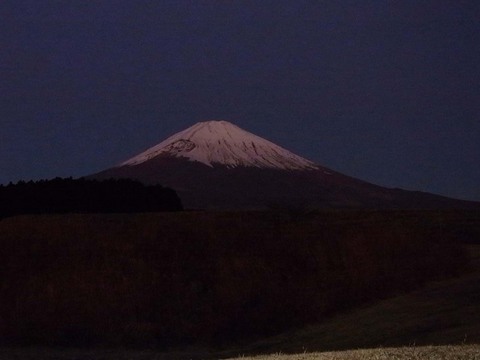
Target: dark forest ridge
(85, 196)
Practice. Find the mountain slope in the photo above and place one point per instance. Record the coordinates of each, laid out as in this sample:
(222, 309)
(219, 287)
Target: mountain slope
(217, 165)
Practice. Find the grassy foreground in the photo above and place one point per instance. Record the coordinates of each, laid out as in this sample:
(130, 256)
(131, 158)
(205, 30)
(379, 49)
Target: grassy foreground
(411, 353)
(459, 352)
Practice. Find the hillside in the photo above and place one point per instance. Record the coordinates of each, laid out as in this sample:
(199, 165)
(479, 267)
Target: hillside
(442, 313)
(211, 278)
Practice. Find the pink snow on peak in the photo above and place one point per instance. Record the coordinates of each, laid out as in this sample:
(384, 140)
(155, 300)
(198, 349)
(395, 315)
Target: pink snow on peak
(223, 143)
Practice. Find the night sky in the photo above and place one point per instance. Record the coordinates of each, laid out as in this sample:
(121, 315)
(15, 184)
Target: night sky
(387, 91)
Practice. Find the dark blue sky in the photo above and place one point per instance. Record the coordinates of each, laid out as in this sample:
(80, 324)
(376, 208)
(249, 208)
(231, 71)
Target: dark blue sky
(386, 91)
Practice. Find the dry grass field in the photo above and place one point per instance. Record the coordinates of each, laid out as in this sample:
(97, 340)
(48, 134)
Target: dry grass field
(458, 352)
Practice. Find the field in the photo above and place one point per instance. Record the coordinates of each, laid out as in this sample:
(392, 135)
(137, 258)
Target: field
(220, 283)
(458, 352)
(404, 353)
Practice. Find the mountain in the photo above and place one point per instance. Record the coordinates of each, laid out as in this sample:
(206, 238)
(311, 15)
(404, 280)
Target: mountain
(216, 164)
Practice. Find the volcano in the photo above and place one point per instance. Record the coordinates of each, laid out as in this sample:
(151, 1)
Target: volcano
(217, 165)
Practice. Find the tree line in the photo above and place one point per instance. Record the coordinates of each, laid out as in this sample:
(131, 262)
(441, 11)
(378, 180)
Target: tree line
(85, 196)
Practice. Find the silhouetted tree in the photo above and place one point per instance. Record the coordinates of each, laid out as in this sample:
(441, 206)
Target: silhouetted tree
(85, 196)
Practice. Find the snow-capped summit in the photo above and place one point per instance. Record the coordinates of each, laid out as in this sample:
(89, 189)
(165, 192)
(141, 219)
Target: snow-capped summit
(223, 143)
